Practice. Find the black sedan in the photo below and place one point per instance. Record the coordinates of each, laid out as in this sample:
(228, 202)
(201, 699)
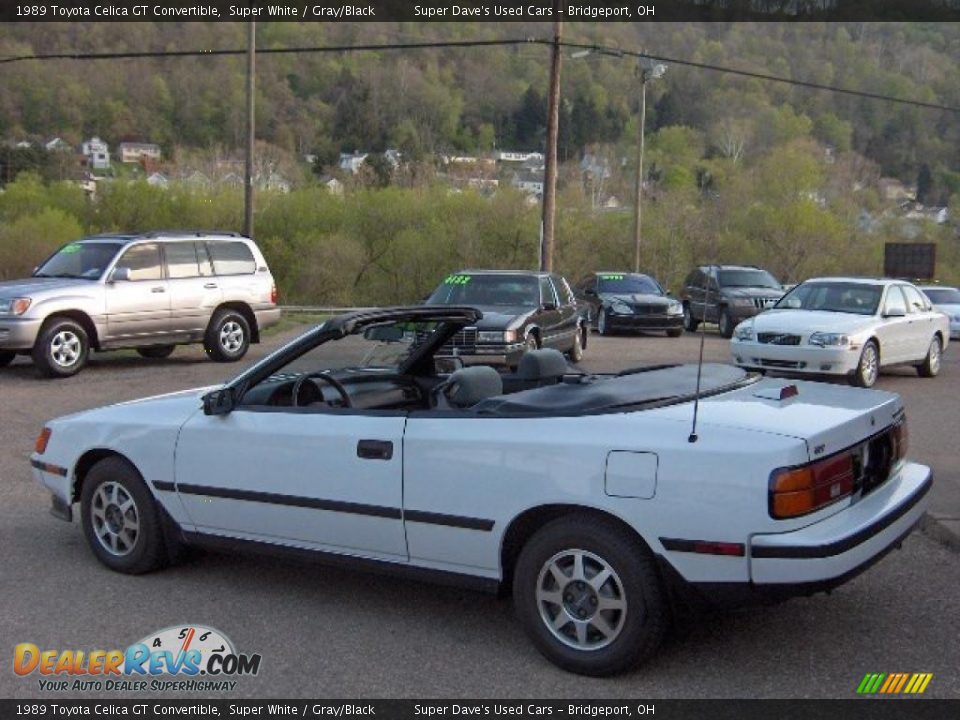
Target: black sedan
(629, 301)
(522, 311)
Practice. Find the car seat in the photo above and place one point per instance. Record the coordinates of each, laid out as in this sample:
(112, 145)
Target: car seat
(467, 386)
(539, 368)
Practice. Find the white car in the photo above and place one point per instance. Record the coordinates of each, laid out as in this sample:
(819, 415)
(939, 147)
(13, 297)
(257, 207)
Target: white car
(844, 326)
(946, 300)
(589, 495)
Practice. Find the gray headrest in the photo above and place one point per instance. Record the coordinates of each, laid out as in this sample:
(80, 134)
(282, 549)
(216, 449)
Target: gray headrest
(541, 364)
(468, 386)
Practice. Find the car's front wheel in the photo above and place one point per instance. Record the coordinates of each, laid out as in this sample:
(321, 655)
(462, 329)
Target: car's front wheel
(589, 597)
(6, 358)
(603, 324)
(156, 352)
(930, 367)
(576, 352)
(61, 349)
(228, 336)
(689, 322)
(120, 519)
(726, 324)
(868, 368)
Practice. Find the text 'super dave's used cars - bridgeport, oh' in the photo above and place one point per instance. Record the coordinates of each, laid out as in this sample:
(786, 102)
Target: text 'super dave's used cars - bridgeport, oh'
(589, 495)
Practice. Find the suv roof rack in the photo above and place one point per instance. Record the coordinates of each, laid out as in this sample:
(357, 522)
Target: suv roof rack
(190, 233)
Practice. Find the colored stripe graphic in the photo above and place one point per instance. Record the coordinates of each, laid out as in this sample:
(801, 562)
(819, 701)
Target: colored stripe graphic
(894, 683)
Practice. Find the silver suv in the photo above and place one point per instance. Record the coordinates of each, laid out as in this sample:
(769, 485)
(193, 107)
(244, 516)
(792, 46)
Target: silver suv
(150, 291)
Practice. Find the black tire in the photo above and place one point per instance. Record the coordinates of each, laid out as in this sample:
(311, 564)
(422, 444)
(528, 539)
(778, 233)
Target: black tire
(602, 325)
(868, 368)
(228, 336)
(726, 324)
(930, 367)
(576, 352)
(675, 333)
(61, 349)
(6, 358)
(690, 323)
(156, 352)
(112, 484)
(637, 630)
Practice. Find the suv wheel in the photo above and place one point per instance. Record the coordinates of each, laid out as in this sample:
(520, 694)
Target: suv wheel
(6, 358)
(61, 349)
(726, 324)
(156, 352)
(689, 323)
(228, 336)
(589, 597)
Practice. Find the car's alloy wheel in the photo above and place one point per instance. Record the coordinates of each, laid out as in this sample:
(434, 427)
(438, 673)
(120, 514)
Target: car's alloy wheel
(589, 596)
(228, 336)
(725, 324)
(869, 366)
(576, 352)
(156, 352)
(930, 366)
(61, 349)
(121, 520)
(689, 323)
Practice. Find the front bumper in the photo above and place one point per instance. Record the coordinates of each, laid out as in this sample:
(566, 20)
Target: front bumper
(794, 358)
(19, 333)
(507, 355)
(644, 322)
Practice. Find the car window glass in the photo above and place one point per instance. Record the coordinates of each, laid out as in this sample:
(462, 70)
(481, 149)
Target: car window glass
(844, 297)
(181, 260)
(547, 294)
(894, 301)
(748, 278)
(943, 296)
(629, 284)
(915, 301)
(142, 262)
(85, 260)
(231, 258)
(486, 289)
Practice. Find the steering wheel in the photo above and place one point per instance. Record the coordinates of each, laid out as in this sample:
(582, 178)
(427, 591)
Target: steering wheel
(322, 375)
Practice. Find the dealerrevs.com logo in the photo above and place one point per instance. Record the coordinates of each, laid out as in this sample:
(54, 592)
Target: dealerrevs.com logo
(178, 658)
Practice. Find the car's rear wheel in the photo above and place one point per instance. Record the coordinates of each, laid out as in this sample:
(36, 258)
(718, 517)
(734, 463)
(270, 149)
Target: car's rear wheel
(930, 367)
(576, 352)
(156, 352)
(228, 336)
(603, 325)
(6, 358)
(868, 369)
(689, 322)
(121, 522)
(726, 324)
(61, 349)
(589, 597)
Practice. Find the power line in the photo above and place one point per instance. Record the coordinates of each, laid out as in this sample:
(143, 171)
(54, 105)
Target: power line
(428, 45)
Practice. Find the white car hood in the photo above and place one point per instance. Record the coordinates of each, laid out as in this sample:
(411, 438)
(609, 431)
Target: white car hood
(804, 322)
(170, 408)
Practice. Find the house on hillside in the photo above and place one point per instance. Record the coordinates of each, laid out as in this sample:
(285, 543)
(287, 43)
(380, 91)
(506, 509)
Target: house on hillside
(351, 162)
(530, 183)
(58, 144)
(132, 152)
(97, 153)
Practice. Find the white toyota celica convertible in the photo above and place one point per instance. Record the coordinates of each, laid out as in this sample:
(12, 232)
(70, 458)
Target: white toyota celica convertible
(588, 495)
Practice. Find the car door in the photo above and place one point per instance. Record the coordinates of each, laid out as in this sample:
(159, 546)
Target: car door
(194, 291)
(137, 304)
(894, 327)
(569, 314)
(326, 479)
(921, 325)
(548, 317)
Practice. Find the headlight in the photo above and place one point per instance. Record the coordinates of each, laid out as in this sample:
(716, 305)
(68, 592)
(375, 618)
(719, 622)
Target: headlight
(621, 308)
(675, 309)
(824, 339)
(14, 306)
(742, 302)
(744, 332)
(496, 336)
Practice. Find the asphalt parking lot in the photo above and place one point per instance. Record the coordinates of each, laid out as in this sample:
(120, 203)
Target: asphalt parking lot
(333, 633)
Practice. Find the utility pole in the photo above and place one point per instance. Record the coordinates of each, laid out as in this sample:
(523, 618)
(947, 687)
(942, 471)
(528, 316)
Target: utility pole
(248, 161)
(647, 70)
(550, 163)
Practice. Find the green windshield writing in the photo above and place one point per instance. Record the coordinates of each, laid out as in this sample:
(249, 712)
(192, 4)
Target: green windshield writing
(456, 280)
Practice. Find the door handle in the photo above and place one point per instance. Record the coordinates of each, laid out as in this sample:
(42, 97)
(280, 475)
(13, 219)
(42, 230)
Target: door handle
(210, 286)
(375, 449)
(157, 290)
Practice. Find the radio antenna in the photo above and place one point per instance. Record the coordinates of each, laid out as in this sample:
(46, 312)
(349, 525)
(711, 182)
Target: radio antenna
(703, 321)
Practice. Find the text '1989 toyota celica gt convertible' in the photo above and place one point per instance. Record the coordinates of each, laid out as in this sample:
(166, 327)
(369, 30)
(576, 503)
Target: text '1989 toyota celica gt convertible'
(586, 494)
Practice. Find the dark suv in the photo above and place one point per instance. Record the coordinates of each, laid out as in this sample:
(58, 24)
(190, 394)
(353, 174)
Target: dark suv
(522, 311)
(727, 294)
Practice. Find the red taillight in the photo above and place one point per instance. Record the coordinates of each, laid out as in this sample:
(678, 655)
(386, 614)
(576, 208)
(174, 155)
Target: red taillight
(40, 446)
(802, 490)
(273, 295)
(901, 439)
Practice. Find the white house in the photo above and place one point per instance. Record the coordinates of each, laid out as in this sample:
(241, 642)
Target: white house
(131, 152)
(519, 157)
(58, 145)
(530, 183)
(97, 153)
(351, 162)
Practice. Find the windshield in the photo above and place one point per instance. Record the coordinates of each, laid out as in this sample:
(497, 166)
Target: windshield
(748, 278)
(628, 285)
(856, 298)
(943, 296)
(85, 260)
(467, 289)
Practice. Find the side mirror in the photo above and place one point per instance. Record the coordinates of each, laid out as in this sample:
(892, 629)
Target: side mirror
(120, 274)
(219, 402)
(895, 313)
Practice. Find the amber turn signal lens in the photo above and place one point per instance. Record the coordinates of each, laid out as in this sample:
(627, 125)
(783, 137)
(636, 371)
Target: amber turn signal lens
(42, 439)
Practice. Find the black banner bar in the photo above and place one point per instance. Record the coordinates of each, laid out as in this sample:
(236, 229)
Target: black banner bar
(477, 10)
(887, 709)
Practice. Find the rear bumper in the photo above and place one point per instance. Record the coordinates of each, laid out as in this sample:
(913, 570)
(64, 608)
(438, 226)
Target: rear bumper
(267, 317)
(794, 358)
(19, 333)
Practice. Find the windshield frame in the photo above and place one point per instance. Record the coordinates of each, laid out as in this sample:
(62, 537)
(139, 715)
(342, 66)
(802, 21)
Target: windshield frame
(118, 245)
